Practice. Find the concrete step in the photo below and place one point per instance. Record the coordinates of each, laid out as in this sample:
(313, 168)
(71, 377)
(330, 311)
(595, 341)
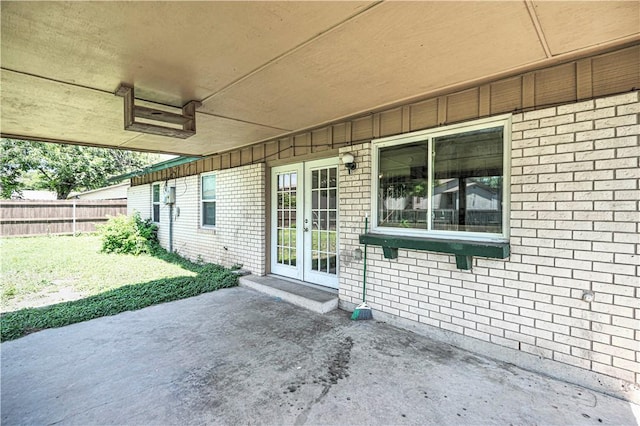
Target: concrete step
(295, 292)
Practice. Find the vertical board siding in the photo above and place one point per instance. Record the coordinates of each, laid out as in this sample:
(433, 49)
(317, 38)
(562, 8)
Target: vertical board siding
(555, 85)
(362, 129)
(506, 95)
(301, 144)
(25, 218)
(462, 106)
(613, 72)
(423, 115)
(391, 122)
(340, 133)
(320, 140)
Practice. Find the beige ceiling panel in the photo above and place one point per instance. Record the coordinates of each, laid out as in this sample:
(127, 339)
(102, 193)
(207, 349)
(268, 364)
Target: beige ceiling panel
(214, 134)
(392, 52)
(37, 108)
(41, 109)
(172, 52)
(569, 26)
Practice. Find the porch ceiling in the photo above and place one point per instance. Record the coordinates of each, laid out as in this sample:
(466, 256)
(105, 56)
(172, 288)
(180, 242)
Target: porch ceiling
(265, 69)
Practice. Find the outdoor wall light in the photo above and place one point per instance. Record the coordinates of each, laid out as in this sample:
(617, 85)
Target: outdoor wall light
(349, 161)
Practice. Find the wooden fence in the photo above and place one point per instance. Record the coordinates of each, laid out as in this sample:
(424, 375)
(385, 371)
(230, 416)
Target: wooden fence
(60, 217)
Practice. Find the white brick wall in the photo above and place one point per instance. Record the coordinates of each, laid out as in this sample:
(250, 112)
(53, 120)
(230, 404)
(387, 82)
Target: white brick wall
(239, 235)
(139, 200)
(575, 227)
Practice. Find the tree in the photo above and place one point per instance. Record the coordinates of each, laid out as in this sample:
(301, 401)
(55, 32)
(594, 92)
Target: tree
(63, 168)
(14, 156)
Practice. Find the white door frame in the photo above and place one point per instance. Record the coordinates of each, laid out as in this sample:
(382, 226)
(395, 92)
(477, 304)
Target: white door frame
(311, 223)
(304, 225)
(285, 236)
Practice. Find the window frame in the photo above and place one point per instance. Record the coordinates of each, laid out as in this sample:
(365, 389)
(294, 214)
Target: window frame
(203, 201)
(155, 203)
(429, 135)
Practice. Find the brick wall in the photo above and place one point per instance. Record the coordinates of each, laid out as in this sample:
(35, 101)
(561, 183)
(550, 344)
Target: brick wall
(575, 228)
(239, 235)
(139, 199)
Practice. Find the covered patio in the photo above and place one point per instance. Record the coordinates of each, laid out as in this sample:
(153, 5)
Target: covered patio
(264, 102)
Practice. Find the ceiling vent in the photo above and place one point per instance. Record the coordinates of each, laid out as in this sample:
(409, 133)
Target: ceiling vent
(185, 123)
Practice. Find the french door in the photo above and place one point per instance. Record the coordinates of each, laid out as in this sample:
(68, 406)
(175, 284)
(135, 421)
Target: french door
(304, 221)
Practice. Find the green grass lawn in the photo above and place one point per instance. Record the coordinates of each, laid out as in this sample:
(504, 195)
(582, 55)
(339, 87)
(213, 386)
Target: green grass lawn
(54, 281)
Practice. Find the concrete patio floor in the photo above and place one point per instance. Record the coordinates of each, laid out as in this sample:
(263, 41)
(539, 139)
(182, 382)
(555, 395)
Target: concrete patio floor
(239, 357)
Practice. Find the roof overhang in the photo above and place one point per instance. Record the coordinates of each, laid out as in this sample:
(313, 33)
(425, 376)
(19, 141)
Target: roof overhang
(263, 70)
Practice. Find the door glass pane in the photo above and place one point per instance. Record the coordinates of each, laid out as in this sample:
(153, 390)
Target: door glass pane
(333, 222)
(324, 185)
(286, 218)
(326, 242)
(467, 182)
(315, 249)
(333, 248)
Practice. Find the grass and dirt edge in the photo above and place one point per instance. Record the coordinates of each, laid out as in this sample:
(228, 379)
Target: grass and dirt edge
(209, 277)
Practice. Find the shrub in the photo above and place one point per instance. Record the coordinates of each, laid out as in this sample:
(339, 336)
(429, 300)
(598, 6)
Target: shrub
(128, 235)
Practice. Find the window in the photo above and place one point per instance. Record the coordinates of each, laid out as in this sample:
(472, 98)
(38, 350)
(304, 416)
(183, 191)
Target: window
(208, 196)
(448, 182)
(156, 203)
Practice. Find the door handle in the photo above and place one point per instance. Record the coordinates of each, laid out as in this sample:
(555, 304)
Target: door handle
(306, 229)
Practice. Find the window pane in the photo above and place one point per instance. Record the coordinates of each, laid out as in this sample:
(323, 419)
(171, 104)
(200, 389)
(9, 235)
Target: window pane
(156, 193)
(209, 213)
(156, 212)
(467, 181)
(403, 177)
(209, 187)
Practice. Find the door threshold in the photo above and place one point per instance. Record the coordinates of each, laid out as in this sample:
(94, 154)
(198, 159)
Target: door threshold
(305, 283)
